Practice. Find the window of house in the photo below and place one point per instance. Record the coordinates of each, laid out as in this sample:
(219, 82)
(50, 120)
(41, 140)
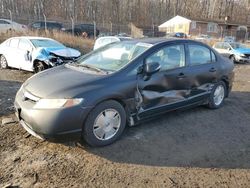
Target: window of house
(169, 57)
(212, 27)
(193, 25)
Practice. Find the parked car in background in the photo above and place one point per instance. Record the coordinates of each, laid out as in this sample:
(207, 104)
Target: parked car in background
(237, 52)
(85, 30)
(126, 82)
(8, 25)
(203, 38)
(102, 41)
(50, 25)
(177, 35)
(229, 39)
(34, 53)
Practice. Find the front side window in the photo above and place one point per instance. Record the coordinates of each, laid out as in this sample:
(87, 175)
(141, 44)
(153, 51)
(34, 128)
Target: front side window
(169, 57)
(199, 54)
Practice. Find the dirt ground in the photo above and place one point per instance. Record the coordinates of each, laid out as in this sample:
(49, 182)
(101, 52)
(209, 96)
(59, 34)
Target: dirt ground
(194, 148)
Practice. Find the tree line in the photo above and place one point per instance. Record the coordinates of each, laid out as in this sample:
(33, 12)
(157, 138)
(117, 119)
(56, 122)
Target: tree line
(139, 12)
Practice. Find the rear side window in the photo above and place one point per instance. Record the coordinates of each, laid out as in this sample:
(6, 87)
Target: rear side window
(14, 43)
(199, 54)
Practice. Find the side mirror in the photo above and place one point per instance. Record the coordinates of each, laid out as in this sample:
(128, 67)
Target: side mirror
(151, 68)
(229, 49)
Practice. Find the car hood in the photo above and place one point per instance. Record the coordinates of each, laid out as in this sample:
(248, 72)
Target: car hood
(63, 52)
(62, 82)
(243, 50)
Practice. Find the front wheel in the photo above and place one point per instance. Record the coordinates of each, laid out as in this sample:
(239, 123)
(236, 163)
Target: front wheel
(105, 124)
(39, 66)
(217, 95)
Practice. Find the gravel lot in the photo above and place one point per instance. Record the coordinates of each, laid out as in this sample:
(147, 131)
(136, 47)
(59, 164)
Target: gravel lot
(194, 148)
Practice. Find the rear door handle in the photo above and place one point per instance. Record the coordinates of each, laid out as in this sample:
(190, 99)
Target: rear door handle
(212, 69)
(181, 75)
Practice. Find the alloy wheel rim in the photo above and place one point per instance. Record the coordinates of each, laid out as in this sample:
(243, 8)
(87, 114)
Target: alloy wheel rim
(107, 124)
(3, 62)
(219, 95)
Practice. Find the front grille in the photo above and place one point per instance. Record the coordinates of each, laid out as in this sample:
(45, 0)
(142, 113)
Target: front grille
(247, 55)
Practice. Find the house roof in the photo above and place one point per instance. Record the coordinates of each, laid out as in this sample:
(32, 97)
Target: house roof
(181, 19)
(175, 20)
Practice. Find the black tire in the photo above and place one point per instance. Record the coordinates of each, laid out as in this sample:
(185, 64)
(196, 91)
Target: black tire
(212, 103)
(3, 62)
(39, 66)
(88, 129)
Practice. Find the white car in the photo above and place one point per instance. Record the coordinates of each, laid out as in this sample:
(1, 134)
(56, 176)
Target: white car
(102, 41)
(8, 25)
(34, 53)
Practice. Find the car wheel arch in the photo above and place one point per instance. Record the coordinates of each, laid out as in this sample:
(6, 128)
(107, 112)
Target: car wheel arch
(226, 82)
(116, 99)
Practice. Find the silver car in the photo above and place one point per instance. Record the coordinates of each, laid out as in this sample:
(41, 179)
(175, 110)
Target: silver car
(237, 52)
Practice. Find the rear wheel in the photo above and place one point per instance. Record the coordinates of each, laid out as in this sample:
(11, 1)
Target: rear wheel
(3, 62)
(105, 124)
(217, 95)
(39, 66)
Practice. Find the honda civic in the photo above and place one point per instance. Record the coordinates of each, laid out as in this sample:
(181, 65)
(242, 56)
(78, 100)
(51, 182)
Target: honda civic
(121, 84)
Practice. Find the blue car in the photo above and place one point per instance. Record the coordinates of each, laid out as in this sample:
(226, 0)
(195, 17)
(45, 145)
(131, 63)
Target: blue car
(34, 53)
(237, 52)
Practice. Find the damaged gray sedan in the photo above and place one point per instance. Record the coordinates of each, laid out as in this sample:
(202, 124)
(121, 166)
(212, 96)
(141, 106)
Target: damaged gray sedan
(34, 53)
(122, 83)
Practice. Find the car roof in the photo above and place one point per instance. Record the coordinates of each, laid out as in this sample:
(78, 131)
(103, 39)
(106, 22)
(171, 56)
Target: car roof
(155, 41)
(116, 37)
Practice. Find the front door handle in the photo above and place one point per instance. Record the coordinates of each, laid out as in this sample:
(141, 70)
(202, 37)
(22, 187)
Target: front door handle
(212, 69)
(181, 75)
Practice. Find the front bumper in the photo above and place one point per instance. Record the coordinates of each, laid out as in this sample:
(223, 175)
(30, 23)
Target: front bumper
(62, 124)
(241, 59)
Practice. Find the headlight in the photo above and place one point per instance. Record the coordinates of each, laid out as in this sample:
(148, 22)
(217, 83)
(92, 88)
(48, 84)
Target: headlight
(242, 55)
(56, 103)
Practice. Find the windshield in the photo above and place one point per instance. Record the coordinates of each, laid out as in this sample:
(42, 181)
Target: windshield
(113, 57)
(237, 45)
(46, 43)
